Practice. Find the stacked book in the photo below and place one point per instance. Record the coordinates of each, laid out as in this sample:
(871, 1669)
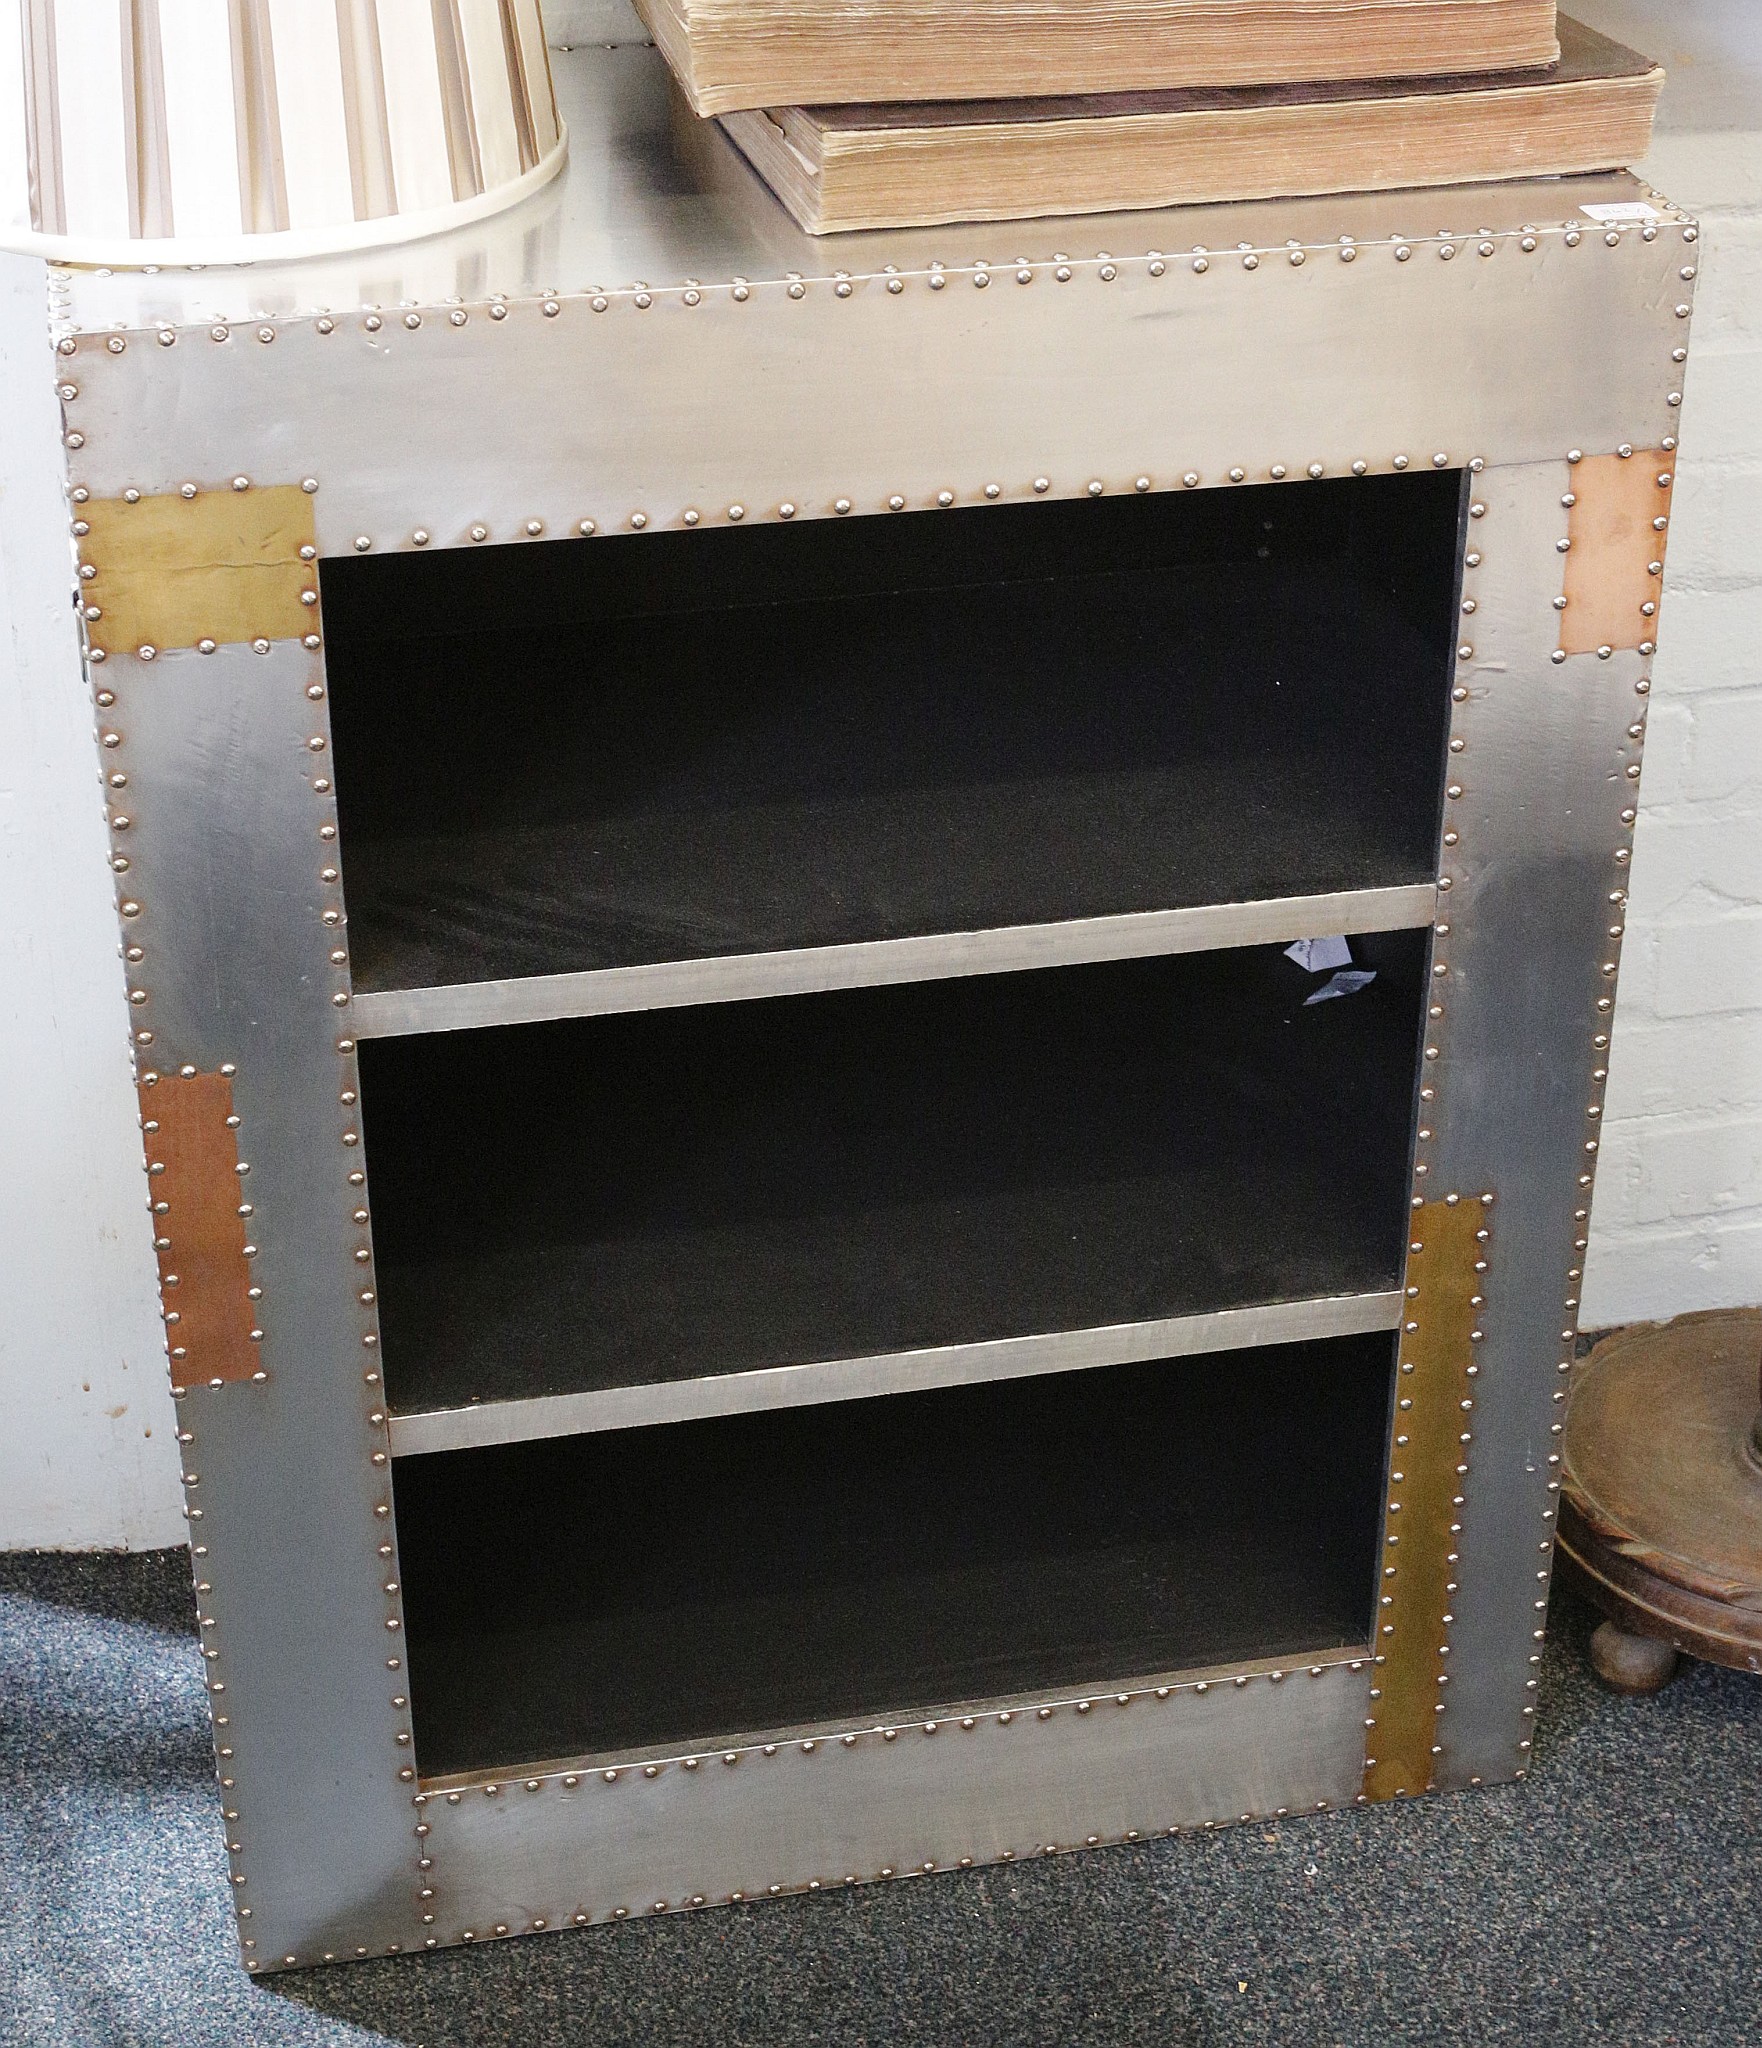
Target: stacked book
(896, 113)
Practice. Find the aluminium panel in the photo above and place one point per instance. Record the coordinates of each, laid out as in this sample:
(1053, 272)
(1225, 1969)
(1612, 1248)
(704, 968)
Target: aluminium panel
(1544, 805)
(970, 395)
(647, 363)
(595, 1839)
(231, 913)
(1297, 338)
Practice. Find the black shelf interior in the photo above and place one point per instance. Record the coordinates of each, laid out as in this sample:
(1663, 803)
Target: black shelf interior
(597, 753)
(686, 1583)
(612, 1200)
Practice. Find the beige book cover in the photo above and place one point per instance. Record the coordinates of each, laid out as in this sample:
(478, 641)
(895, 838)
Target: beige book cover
(916, 166)
(730, 54)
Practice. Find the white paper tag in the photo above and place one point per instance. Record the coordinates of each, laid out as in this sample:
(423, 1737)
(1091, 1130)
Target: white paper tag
(1346, 983)
(1627, 209)
(1318, 955)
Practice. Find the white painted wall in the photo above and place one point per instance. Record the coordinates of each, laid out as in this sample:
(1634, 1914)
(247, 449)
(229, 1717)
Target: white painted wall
(87, 1454)
(1678, 1217)
(85, 1425)
(593, 21)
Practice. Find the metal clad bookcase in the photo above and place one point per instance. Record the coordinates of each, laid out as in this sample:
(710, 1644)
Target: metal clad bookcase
(770, 1279)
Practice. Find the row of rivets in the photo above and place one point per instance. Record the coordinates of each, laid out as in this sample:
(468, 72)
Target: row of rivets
(979, 272)
(1401, 1437)
(1435, 1020)
(206, 1622)
(887, 1872)
(1617, 897)
(1584, 1179)
(810, 1745)
(333, 915)
(739, 510)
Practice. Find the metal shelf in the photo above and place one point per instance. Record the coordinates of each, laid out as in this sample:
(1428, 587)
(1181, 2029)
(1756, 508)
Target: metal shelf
(805, 970)
(422, 1431)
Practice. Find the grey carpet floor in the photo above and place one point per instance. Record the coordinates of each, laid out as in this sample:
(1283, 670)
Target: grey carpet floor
(1615, 1898)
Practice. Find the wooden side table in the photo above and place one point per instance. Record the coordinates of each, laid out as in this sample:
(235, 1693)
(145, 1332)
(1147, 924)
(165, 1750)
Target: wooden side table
(1661, 1501)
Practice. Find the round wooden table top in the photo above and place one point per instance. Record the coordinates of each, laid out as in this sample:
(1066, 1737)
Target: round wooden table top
(1661, 1493)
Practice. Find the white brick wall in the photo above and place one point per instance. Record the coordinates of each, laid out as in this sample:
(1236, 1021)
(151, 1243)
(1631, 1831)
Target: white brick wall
(1678, 1218)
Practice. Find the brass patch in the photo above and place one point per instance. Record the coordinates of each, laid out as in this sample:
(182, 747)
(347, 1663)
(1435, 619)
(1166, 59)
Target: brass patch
(193, 1169)
(1418, 1543)
(1614, 542)
(223, 566)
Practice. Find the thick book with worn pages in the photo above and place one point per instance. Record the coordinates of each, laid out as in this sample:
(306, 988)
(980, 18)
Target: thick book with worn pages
(915, 166)
(729, 54)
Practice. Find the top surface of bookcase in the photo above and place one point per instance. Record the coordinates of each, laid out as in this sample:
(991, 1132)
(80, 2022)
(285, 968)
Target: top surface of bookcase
(653, 345)
(653, 198)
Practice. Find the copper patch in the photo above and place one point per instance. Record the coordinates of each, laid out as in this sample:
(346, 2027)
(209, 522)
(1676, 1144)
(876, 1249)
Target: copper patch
(193, 1169)
(1614, 543)
(223, 566)
(1418, 1542)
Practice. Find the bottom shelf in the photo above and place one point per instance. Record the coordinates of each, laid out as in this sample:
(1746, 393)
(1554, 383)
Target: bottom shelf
(699, 1581)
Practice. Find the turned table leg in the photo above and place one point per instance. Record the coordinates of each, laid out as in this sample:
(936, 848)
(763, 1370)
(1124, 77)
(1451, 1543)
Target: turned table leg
(1633, 1664)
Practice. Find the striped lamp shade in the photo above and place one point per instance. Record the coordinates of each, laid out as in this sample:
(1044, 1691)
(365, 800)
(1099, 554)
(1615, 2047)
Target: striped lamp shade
(216, 131)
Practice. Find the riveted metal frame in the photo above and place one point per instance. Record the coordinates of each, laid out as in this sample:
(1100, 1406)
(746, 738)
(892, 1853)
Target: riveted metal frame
(1283, 341)
(831, 1806)
(1429, 1439)
(1543, 802)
